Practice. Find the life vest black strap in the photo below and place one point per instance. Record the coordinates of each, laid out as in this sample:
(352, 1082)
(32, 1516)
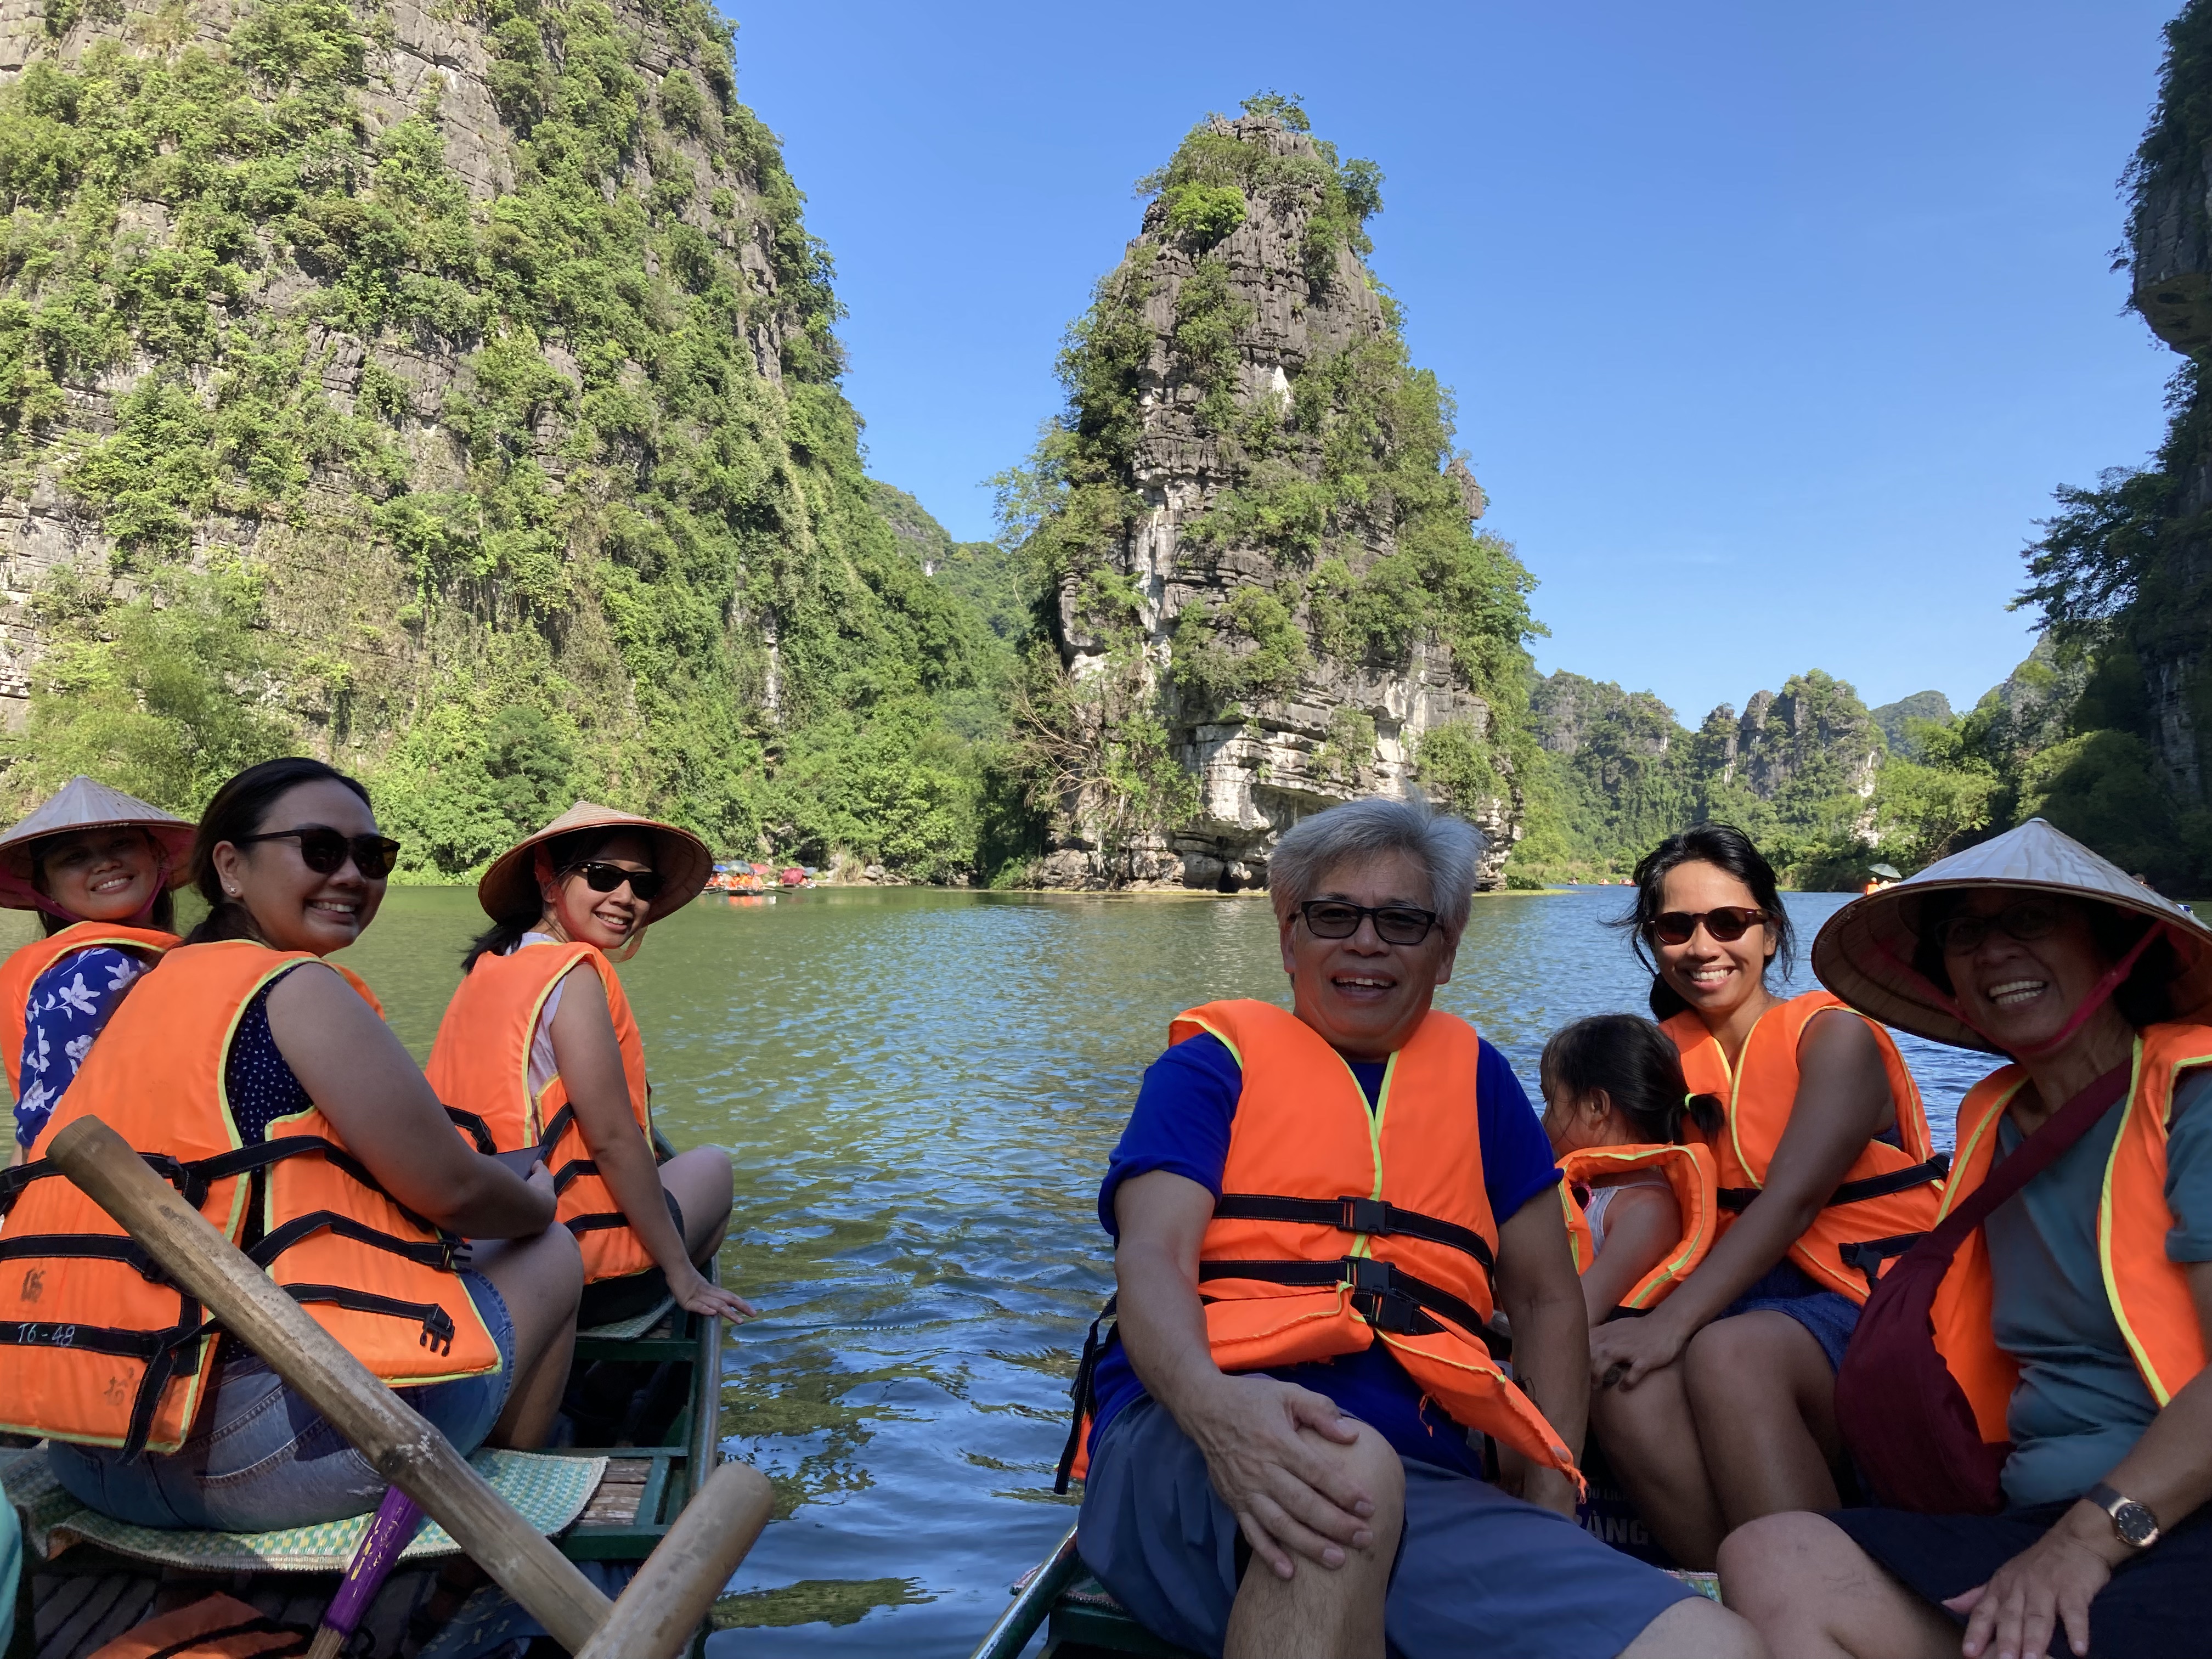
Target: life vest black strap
(1868, 1254)
(444, 1253)
(603, 1221)
(1384, 1294)
(1375, 1216)
(84, 1246)
(473, 1126)
(1083, 1393)
(437, 1324)
(569, 1172)
(157, 1349)
(303, 1639)
(554, 1130)
(1738, 1199)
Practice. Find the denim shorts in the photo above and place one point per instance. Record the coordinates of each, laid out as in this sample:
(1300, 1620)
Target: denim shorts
(261, 1457)
(1478, 1572)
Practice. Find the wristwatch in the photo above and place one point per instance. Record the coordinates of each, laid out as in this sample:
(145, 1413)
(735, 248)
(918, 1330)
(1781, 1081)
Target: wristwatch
(2133, 1523)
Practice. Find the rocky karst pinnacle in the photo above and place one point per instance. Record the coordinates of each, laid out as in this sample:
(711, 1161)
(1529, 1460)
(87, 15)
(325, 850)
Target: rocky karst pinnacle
(1264, 565)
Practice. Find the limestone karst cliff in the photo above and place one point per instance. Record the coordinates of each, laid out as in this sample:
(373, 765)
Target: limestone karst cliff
(450, 389)
(1796, 769)
(1267, 591)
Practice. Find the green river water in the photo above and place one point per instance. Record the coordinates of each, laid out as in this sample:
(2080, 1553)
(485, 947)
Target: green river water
(920, 1088)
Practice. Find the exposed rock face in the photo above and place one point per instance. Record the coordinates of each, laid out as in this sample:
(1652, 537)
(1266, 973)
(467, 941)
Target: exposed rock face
(484, 340)
(2170, 258)
(1807, 729)
(1242, 345)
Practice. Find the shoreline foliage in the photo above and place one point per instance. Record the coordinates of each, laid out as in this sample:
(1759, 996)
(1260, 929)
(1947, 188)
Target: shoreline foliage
(553, 493)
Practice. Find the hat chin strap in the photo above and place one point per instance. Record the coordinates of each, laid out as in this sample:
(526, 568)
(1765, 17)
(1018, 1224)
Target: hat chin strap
(2099, 994)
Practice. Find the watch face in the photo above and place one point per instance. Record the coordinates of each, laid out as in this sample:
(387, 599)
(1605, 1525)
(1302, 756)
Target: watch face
(2136, 1525)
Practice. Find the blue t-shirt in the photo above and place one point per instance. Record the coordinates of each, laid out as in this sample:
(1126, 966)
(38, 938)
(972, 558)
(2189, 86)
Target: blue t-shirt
(70, 1005)
(1180, 1124)
(2080, 1405)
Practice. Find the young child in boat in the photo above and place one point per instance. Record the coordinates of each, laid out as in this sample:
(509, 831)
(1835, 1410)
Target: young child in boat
(1614, 1081)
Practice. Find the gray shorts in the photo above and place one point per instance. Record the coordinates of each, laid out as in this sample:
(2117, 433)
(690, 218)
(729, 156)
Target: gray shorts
(1478, 1572)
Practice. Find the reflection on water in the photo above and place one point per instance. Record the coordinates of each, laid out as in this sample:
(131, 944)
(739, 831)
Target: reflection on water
(921, 1089)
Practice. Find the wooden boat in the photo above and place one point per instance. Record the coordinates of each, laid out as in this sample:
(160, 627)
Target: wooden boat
(1082, 1620)
(650, 1391)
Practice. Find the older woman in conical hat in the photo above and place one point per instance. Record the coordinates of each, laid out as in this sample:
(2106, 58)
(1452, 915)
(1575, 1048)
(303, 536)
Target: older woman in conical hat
(2026, 1394)
(539, 1042)
(98, 865)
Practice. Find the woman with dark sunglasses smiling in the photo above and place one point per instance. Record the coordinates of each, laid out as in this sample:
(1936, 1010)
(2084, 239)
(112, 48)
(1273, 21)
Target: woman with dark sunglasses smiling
(337, 1166)
(1719, 1407)
(539, 1042)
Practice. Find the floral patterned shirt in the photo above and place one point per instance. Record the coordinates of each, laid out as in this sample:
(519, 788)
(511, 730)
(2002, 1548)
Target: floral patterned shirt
(70, 1005)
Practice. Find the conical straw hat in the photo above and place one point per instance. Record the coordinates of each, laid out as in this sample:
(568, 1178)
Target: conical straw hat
(84, 803)
(508, 890)
(1864, 954)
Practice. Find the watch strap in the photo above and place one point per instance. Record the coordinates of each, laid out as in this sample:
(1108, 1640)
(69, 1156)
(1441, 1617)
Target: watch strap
(2106, 1498)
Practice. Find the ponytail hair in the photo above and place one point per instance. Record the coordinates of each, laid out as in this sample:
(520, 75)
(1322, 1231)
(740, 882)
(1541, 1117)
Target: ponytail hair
(1725, 847)
(562, 853)
(239, 809)
(1638, 1069)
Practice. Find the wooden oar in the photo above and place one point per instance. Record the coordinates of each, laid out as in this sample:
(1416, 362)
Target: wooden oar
(679, 1580)
(398, 1519)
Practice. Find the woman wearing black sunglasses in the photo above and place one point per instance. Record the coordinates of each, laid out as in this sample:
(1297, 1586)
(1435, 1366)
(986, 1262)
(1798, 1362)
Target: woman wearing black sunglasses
(325, 1154)
(539, 1042)
(1720, 1405)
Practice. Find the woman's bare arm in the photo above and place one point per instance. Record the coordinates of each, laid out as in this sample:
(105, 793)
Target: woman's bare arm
(367, 1083)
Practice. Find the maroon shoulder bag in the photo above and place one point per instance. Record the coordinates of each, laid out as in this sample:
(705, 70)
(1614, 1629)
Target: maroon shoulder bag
(1909, 1425)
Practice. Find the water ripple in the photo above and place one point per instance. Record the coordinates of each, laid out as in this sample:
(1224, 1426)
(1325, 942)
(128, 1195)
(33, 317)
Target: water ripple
(920, 1090)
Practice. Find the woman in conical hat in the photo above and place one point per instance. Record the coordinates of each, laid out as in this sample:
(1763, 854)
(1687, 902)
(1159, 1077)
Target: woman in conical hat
(98, 865)
(539, 1042)
(2027, 1397)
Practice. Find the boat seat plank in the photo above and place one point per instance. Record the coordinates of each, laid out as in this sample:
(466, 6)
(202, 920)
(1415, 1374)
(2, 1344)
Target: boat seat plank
(130, 1608)
(87, 1613)
(620, 1495)
(54, 1611)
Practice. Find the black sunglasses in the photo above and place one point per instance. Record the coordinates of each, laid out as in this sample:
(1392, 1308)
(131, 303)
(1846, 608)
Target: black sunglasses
(1727, 924)
(606, 877)
(325, 851)
(1394, 924)
(2029, 919)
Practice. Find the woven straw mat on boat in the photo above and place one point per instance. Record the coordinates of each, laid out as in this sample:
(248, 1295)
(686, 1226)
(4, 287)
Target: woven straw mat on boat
(548, 1492)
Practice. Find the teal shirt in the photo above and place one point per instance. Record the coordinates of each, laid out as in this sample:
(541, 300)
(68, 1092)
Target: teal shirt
(2082, 1405)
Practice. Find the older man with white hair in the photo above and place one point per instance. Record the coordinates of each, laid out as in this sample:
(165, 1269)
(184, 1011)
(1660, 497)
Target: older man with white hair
(1316, 1210)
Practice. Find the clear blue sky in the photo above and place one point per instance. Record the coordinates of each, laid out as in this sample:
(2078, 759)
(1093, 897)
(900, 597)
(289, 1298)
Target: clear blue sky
(1772, 327)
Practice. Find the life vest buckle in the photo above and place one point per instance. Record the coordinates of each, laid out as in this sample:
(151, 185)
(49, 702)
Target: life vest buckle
(437, 1330)
(1377, 1296)
(1365, 1215)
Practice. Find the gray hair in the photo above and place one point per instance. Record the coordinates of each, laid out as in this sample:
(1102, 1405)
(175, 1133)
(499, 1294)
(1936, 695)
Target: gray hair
(1448, 847)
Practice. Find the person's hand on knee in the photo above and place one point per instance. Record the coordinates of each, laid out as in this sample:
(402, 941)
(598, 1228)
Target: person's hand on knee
(1269, 1448)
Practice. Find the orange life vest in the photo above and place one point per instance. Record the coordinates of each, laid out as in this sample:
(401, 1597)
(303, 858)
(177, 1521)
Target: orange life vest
(2148, 1293)
(1689, 1172)
(1339, 1226)
(1889, 1195)
(95, 1344)
(24, 965)
(480, 1064)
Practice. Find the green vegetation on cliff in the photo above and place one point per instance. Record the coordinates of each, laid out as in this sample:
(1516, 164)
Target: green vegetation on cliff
(1326, 491)
(528, 494)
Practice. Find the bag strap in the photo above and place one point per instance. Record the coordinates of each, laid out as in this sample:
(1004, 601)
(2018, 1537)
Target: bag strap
(2038, 1153)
